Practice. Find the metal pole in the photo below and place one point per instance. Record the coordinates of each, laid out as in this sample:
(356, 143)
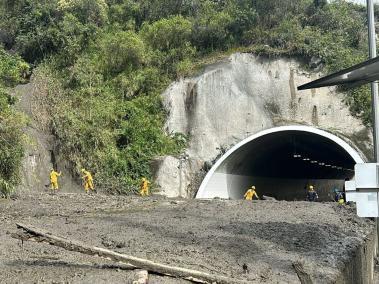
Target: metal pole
(374, 85)
(374, 90)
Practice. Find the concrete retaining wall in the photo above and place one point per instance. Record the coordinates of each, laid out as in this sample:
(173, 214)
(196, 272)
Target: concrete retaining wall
(290, 189)
(360, 268)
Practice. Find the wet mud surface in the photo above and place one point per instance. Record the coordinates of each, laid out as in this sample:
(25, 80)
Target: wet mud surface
(213, 236)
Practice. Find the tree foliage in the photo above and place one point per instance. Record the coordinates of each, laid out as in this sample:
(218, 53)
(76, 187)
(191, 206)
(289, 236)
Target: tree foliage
(12, 71)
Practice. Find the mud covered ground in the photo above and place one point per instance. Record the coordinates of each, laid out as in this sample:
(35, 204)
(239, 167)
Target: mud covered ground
(214, 236)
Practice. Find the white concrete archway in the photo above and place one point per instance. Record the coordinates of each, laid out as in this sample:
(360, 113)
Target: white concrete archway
(222, 182)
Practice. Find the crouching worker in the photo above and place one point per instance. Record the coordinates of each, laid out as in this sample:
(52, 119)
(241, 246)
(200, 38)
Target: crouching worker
(339, 196)
(250, 193)
(54, 179)
(87, 181)
(144, 191)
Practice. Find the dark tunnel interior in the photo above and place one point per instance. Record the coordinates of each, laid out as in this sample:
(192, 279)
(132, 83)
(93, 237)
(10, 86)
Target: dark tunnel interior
(282, 164)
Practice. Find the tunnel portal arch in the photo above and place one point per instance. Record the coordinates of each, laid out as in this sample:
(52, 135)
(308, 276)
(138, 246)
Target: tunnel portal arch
(267, 160)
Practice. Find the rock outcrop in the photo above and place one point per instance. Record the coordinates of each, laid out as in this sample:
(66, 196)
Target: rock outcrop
(39, 157)
(239, 97)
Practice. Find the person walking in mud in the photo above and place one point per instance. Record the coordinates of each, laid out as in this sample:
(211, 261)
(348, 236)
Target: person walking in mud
(54, 179)
(87, 181)
(250, 193)
(144, 191)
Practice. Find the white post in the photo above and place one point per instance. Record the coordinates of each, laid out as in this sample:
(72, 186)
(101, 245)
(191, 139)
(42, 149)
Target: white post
(374, 88)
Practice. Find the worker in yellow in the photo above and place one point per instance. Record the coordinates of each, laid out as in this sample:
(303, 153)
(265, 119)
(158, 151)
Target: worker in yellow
(54, 179)
(87, 180)
(250, 193)
(341, 201)
(144, 191)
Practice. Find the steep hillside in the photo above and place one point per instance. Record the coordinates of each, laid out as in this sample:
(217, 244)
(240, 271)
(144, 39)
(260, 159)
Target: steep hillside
(102, 66)
(13, 70)
(40, 146)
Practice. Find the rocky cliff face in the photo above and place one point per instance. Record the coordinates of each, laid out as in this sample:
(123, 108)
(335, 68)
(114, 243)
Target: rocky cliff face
(239, 97)
(40, 151)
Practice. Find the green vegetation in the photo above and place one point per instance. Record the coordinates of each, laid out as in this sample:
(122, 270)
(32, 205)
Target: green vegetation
(12, 68)
(106, 63)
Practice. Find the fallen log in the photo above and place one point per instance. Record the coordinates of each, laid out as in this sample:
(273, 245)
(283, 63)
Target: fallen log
(31, 233)
(304, 276)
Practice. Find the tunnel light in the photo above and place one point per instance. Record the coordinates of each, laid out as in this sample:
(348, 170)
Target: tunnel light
(297, 156)
(340, 168)
(327, 165)
(306, 159)
(334, 167)
(313, 162)
(321, 164)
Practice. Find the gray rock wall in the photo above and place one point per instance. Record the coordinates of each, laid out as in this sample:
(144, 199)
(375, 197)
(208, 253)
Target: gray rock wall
(239, 97)
(39, 157)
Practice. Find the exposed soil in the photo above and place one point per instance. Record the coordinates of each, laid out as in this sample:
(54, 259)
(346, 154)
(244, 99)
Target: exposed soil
(214, 236)
(40, 153)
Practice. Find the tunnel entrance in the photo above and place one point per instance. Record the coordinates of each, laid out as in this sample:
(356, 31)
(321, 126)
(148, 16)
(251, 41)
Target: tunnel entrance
(281, 162)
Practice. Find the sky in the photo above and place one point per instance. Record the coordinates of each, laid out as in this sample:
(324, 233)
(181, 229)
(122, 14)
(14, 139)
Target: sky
(363, 1)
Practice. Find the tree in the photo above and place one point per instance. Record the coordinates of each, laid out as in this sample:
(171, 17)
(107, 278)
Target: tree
(12, 72)
(88, 11)
(121, 51)
(320, 3)
(170, 41)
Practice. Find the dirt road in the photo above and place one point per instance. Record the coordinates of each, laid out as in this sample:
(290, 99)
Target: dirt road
(213, 236)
